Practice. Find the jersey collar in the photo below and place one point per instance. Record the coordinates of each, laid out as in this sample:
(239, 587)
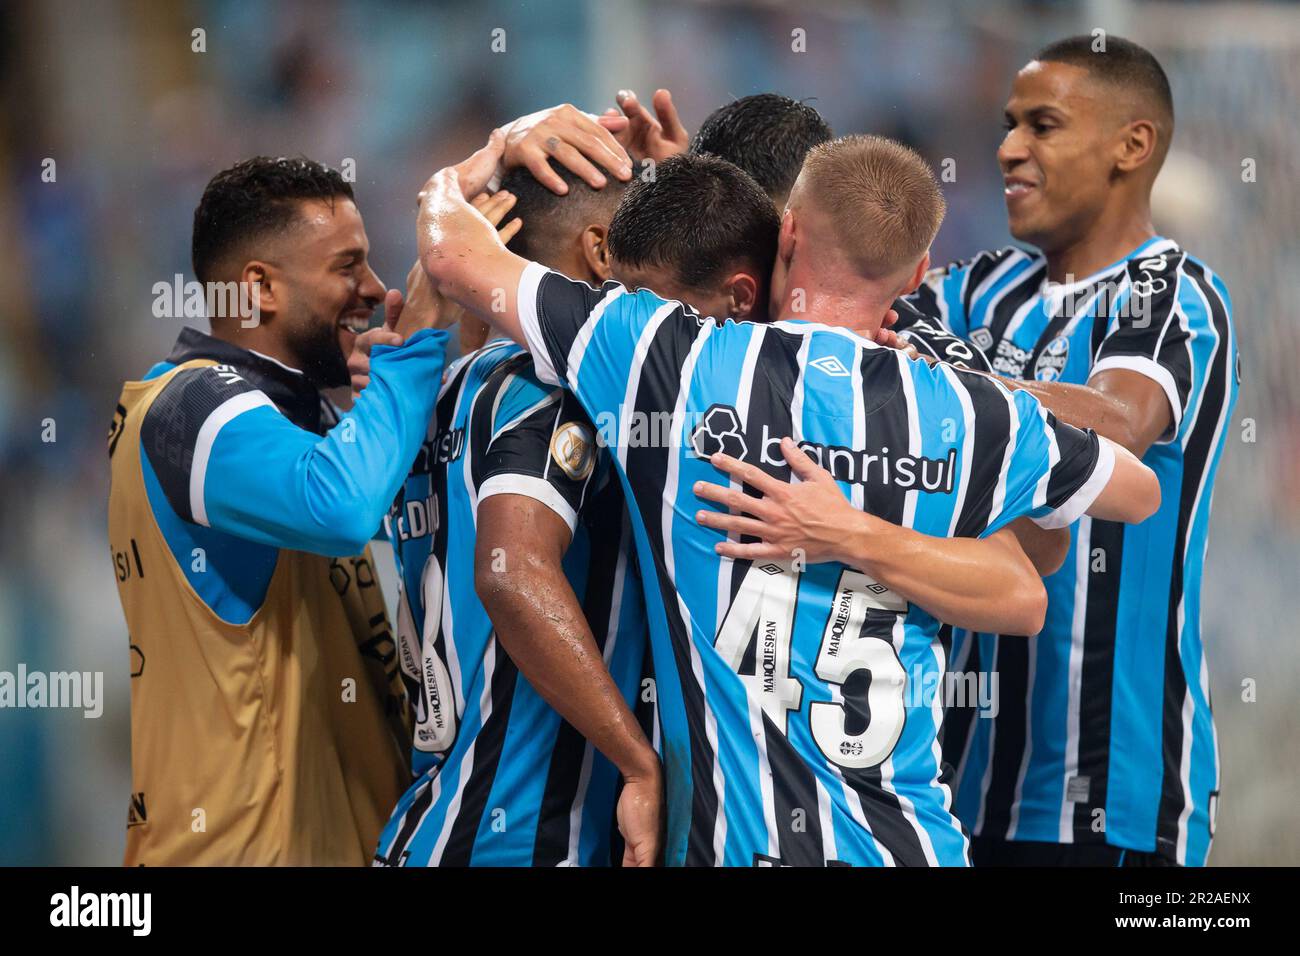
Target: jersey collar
(291, 390)
(1150, 247)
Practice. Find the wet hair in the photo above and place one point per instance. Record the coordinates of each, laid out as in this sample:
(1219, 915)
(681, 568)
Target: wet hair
(700, 217)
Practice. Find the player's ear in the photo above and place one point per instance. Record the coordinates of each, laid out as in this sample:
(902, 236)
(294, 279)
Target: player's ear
(1136, 146)
(258, 287)
(743, 292)
(595, 252)
(917, 277)
(785, 239)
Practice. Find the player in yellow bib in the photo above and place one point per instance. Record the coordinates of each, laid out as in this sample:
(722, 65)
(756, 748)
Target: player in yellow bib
(268, 721)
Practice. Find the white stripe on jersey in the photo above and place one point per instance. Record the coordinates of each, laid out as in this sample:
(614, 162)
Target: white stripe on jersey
(899, 629)
(589, 752)
(1070, 768)
(634, 378)
(465, 767)
(217, 419)
(1152, 370)
(1188, 712)
(1031, 669)
(537, 406)
(765, 781)
(579, 348)
(667, 514)
(529, 486)
(992, 278)
(1079, 502)
(1013, 439)
(1020, 315)
(1053, 456)
(826, 819)
(967, 454)
(852, 798)
(992, 666)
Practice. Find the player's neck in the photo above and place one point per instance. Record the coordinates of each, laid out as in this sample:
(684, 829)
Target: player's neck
(1108, 240)
(254, 340)
(855, 305)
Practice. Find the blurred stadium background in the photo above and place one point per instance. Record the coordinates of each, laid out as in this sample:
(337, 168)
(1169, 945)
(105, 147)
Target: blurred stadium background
(137, 122)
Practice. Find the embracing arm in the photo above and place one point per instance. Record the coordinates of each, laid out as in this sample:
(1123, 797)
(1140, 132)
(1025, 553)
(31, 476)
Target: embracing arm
(1129, 408)
(540, 624)
(984, 584)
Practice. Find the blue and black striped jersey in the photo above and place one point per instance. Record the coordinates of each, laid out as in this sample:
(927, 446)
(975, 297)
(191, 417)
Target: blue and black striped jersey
(797, 705)
(502, 780)
(931, 338)
(1105, 732)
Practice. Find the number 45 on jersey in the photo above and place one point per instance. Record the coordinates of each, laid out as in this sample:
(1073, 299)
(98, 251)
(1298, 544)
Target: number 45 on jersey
(861, 724)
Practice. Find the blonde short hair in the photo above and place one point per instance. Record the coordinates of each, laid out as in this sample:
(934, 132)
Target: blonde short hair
(882, 199)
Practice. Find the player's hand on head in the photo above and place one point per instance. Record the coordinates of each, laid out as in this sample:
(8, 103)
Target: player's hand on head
(640, 815)
(654, 136)
(494, 207)
(805, 519)
(574, 139)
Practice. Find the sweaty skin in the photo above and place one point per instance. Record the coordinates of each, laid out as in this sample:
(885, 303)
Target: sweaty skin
(541, 625)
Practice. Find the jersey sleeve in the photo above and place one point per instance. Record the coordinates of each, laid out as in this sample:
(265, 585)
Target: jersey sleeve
(947, 294)
(226, 457)
(933, 339)
(1150, 334)
(1050, 471)
(540, 444)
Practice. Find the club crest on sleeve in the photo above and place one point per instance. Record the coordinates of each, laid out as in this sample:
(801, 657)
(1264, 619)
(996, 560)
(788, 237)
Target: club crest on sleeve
(573, 448)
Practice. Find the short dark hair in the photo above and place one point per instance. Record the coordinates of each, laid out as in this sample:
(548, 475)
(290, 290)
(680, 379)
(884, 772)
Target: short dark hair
(1121, 63)
(767, 135)
(549, 217)
(697, 216)
(882, 199)
(254, 198)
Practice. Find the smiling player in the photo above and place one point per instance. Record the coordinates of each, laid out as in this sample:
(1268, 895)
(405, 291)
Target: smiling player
(1110, 753)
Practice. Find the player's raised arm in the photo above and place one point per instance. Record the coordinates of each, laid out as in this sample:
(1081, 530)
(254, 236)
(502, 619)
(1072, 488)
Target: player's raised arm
(255, 474)
(460, 249)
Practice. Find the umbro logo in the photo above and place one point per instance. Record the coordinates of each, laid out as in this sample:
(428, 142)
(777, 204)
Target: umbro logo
(831, 365)
(771, 569)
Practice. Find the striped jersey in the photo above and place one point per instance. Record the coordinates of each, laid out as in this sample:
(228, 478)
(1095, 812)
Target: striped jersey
(1105, 732)
(796, 705)
(932, 339)
(501, 779)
